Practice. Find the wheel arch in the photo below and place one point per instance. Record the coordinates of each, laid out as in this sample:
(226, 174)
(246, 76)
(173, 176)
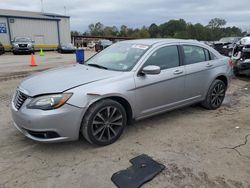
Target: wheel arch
(222, 78)
(126, 105)
(124, 102)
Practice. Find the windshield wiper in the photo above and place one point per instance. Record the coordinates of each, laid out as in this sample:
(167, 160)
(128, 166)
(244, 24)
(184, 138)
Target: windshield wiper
(98, 66)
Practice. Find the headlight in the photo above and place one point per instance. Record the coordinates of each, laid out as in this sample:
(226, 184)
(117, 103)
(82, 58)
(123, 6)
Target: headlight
(15, 45)
(29, 45)
(49, 102)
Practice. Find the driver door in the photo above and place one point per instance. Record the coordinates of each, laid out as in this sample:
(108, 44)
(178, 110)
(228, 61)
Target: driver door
(156, 93)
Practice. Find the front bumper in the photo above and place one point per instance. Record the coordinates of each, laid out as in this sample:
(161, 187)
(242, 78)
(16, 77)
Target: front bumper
(27, 49)
(62, 124)
(68, 50)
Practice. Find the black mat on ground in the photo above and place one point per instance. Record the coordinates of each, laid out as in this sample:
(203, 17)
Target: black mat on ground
(143, 170)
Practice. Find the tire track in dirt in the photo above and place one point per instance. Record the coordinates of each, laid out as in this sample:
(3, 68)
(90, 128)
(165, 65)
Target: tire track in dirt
(17, 75)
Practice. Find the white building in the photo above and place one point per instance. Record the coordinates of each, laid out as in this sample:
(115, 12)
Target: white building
(47, 30)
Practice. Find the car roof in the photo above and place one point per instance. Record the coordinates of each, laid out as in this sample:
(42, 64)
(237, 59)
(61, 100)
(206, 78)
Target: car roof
(156, 41)
(245, 40)
(160, 41)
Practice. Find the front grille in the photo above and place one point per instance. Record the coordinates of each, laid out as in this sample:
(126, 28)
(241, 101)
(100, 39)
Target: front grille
(23, 45)
(19, 99)
(247, 46)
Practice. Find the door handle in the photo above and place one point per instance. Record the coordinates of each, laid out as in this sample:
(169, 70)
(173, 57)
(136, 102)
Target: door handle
(209, 65)
(178, 72)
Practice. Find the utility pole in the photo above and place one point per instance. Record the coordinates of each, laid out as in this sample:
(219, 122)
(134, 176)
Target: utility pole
(42, 6)
(64, 10)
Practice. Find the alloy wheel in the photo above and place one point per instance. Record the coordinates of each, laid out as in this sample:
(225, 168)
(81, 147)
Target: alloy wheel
(218, 95)
(107, 124)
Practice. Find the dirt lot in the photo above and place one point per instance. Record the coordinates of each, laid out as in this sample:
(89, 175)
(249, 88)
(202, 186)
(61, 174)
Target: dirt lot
(199, 148)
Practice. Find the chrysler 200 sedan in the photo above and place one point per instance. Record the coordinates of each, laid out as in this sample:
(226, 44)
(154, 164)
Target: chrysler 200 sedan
(127, 81)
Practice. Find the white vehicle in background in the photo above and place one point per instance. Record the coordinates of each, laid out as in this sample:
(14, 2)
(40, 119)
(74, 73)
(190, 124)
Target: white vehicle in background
(241, 56)
(91, 44)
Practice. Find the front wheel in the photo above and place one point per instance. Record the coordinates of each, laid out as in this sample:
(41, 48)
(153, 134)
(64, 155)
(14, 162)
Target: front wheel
(215, 95)
(104, 122)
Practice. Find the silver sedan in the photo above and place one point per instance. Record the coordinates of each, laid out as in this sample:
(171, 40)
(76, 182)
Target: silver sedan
(127, 81)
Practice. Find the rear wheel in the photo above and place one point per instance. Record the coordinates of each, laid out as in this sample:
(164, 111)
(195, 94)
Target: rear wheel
(215, 95)
(104, 122)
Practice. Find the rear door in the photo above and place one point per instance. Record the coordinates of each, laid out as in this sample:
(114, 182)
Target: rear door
(198, 66)
(155, 93)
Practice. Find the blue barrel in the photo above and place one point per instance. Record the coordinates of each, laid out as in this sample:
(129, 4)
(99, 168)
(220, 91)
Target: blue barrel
(80, 56)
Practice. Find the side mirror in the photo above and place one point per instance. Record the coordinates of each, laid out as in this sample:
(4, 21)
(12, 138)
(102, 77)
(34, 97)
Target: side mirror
(33, 41)
(151, 70)
(12, 41)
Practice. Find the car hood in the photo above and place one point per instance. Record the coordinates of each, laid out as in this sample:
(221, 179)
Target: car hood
(62, 79)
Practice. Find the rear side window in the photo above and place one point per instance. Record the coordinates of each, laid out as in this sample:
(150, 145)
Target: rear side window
(165, 57)
(193, 54)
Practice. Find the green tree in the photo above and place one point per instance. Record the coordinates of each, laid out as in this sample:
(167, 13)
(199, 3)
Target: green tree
(172, 29)
(153, 30)
(110, 31)
(96, 29)
(75, 33)
(217, 23)
(123, 31)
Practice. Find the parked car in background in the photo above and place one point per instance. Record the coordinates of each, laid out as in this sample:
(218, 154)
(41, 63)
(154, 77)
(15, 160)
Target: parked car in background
(22, 45)
(102, 44)
(241, 56)
(1, 49)
(209, 43)
(130, 80)
(91, 44)
(225, 45)
(66, 48)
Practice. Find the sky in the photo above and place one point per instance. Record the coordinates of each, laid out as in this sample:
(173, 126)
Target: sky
(136, 13)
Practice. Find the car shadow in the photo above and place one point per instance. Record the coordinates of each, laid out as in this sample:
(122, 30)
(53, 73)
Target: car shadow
(82, 144)
(244, 77)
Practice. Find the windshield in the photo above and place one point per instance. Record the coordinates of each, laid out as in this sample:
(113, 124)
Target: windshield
(229, 39)
(119, 57)
(68, 45)
(22, 39)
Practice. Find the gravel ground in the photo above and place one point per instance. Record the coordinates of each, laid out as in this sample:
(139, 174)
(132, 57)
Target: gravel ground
(199, 148)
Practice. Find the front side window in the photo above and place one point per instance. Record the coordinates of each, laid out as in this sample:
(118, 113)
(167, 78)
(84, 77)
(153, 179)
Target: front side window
(193, 54)
(165, 57)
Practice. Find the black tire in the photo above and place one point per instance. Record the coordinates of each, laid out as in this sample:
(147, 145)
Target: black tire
(110, 119)
(2, 52)
(215, 95)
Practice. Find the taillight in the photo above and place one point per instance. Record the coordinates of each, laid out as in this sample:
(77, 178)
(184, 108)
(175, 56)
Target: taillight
(230, 62)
